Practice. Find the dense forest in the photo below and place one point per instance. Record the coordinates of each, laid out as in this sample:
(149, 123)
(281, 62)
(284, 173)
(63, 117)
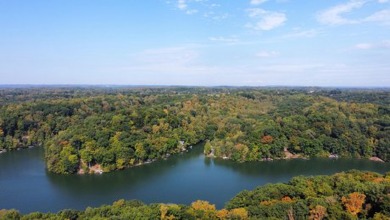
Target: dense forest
(349, 195)
(96, 129)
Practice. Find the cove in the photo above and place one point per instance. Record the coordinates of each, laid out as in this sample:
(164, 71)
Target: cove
(26, 186)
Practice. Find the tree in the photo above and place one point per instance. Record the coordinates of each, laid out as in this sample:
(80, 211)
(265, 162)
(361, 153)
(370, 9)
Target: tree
(353, 202)
(239, 213)
(140, 151)
(267, 139)
(222, 214)
(317, 213)
(9, 214)
(86, 155)
(207, 148)
(202, 205)
(203, 210)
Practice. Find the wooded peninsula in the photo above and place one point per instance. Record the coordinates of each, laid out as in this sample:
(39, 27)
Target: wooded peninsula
(98, 129)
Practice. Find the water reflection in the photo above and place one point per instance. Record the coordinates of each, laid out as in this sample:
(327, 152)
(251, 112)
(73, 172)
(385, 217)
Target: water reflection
(208, 161)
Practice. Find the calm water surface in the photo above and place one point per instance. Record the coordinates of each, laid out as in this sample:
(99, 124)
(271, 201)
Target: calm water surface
(25, 185)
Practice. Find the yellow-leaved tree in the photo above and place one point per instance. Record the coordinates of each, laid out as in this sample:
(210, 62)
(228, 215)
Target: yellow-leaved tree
(354, 202)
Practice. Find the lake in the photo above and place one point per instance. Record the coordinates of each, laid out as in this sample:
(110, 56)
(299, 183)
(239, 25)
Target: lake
(26, 186)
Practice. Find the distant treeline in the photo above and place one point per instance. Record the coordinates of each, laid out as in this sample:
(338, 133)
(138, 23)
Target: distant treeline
(350, 195)
(114, 128)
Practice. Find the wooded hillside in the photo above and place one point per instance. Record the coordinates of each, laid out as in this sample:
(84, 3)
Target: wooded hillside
(88, 129)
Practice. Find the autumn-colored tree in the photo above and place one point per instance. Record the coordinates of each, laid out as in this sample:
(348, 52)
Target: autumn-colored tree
(354, 202)
(268, 202)
(381, 216)
(163, 211)
(239, 213)
(222, 214)
(9, 214)
(287, 199)
(202, 205)
(203, 210)
(140, 151)
(267, 139)
(155, 129)
(317, 213)
(119, 203)
(120, 163)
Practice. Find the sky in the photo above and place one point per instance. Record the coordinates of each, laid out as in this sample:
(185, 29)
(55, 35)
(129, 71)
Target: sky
(196, 42)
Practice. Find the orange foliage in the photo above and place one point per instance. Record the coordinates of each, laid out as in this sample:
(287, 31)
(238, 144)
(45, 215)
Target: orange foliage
(378, 180)
(287, 199)
(354, 202)
(268, 202)
(267, 139)
(369, 176)
(239, 146)
(63, 143)
(222, 214)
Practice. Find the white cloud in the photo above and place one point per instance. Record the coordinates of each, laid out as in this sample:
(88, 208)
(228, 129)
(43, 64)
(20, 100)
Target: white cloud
(334, 15)
(224, 39)
(205, 8)
(302, 33)
(337, 14)
(363, 46)
(257, 2)
(255, 12)
(266, 20)
(217, 16)
(382, 17)
(182, 4)
(267, 54)
(192, 11)
(367, 46)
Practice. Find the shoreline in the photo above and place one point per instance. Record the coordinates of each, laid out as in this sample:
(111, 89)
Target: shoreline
(377, 159)
(300, 156)
(97, 169)
(2, 151)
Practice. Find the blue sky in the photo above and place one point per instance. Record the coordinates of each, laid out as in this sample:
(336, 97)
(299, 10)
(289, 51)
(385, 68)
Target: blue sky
(195, 42)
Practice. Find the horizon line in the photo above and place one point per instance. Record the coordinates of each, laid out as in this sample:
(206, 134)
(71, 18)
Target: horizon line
(10, 85)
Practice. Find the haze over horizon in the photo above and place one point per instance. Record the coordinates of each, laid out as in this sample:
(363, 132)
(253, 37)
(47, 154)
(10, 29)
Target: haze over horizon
(196, 42)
